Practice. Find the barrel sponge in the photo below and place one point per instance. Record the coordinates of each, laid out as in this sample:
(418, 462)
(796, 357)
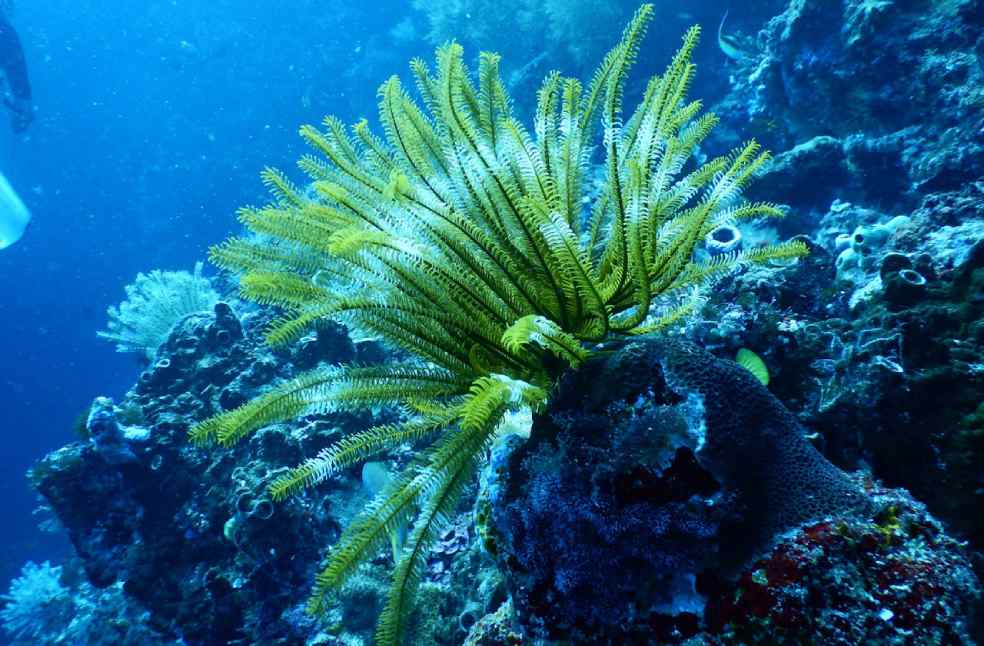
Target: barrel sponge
(755, 445)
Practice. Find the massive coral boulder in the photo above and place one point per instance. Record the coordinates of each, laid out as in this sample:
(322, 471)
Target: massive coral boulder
(657, 476)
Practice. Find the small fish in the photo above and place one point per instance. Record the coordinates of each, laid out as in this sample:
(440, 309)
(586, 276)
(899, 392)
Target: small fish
(753, 364)
(14, 216)
(734, 47)
(375, 478)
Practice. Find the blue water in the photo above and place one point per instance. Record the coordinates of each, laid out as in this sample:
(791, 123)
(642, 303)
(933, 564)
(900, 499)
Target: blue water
(153, 122)
(154, 119)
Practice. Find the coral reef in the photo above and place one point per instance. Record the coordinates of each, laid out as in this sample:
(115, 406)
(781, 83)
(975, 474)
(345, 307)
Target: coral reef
(882, 358)
(891, 577)
(467, 241)
(674, 478)
(662, 494)
(211, 558)
(208, 563)
(875, 361)
(834, 71)
(884, 368)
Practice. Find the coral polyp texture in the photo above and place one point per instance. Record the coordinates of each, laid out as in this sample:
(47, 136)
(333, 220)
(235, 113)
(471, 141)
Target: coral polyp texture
(462, 237)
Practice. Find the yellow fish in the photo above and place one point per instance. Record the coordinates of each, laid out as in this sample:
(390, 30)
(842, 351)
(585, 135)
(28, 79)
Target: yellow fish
(753, 364)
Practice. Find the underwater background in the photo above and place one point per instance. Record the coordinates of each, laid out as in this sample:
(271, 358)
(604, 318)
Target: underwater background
(154, 119)
(153, 122)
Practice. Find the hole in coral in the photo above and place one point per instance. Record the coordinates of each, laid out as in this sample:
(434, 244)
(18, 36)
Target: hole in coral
(724, 234)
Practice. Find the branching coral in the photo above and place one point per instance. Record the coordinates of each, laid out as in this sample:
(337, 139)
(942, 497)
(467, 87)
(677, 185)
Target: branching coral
(154, 303)
(464, 239)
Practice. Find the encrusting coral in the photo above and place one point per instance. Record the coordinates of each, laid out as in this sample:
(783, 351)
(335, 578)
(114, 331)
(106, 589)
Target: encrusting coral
(465, 240)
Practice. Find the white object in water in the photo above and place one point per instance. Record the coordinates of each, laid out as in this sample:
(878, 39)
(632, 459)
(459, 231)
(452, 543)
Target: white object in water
(14, 216)
(375, 477)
